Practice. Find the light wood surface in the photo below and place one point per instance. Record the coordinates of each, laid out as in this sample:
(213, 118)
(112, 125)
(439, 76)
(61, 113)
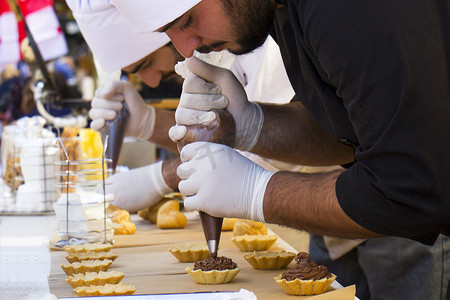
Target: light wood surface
(166, 103)
(147, 264)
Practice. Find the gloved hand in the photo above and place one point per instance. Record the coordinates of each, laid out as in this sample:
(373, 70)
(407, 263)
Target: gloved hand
(138, 188)
(209, 87)
(221, 182)
(109, 100)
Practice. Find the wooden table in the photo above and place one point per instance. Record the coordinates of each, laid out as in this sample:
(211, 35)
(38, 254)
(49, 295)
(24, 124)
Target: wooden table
(167, 103)
(148, 265)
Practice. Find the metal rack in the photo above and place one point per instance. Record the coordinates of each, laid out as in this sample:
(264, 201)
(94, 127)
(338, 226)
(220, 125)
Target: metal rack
(28, 170)
(81, 207)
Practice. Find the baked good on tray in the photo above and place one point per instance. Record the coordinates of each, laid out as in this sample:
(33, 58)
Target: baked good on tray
(105, 290)
(121, 220)
(214, 270)
(250, 227)
(86, 266)
(190, 252)
(93, 278)
(306, 277)
(90, 256)
(170, 216)
(228, 224)
(269, 260)
(257, 242)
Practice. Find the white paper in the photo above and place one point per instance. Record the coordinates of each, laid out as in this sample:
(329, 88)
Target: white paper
(243, 294)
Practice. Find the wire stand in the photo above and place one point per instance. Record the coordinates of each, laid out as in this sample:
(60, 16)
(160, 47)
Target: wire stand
(28, 169)
(81, 208)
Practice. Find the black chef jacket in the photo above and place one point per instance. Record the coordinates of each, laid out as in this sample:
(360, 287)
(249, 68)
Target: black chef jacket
(375, 74)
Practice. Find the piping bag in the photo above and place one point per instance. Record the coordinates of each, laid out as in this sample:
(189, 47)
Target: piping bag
(212, 226)
(113, 133)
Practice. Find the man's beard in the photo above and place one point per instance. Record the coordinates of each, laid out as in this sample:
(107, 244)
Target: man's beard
(251, 22)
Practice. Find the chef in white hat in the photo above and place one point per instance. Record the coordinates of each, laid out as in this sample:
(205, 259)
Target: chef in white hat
(116, 46)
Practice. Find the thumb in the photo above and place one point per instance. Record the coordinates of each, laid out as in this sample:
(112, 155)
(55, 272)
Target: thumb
(190, 150)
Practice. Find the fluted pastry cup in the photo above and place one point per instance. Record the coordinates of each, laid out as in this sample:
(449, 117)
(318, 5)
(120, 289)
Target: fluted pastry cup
(213, 276)
(254, 242)
(269, 260)
(301, 287)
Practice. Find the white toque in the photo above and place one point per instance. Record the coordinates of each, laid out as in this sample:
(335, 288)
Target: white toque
(149, 15)
(112, 41)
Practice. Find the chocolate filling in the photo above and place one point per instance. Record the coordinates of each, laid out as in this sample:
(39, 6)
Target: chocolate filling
(220, 263)
(305, 269)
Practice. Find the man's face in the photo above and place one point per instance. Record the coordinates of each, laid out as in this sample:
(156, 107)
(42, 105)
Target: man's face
(157, 66)
(213, 25)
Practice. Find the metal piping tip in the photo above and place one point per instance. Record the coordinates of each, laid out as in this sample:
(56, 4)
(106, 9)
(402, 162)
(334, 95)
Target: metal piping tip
(213, 245)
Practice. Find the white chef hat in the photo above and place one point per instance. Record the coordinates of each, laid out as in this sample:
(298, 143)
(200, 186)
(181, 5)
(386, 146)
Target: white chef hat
(149, 15)
(111, 39)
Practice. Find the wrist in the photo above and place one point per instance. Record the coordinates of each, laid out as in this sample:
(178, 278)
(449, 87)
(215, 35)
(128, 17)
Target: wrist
(248, 135)
(156, 176)
(256, 211)
(148, 126)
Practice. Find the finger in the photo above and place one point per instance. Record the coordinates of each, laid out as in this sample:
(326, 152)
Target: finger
(186, 116)
(98, 124)
(191, 203)
(113, 103)
(197, 85)
(107, 114)
(177, 132)
(185, 170)
(204, 70)
(190, 150)
(188, 186)
(203, 102)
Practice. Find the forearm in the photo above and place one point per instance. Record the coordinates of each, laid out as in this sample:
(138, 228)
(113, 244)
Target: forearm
(290, 134)
(169, 172)
(164, 119)
(308, 202)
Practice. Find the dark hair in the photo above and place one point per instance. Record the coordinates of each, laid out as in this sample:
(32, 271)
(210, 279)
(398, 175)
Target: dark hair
(252, 20)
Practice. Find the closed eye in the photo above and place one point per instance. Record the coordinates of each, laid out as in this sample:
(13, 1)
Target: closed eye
(187, 24)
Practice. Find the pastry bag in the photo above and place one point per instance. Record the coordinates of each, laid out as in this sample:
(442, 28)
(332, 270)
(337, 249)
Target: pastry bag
(212, 226)
(113, 132)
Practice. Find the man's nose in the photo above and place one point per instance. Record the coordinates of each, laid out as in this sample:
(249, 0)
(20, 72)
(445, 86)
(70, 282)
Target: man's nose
(185, 44)
(150, 77)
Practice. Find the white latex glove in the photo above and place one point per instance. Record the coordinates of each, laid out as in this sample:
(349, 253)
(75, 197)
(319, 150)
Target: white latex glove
(109, 100)
(218, 180)
(138, 188)
(209, 87)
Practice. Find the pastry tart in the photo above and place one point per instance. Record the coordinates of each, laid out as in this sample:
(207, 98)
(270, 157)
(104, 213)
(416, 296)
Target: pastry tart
(306, 277)
(96, 247)
(269, 260)
(105, 290)
(86, 266)
(250, 227)
(214, 270)
(92, 278)
(257, 242)
(90, 256)
(190, 252)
